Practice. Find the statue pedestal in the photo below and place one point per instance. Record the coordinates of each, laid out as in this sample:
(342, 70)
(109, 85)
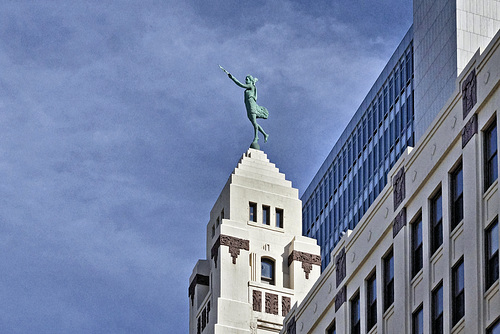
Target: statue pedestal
(255, 145)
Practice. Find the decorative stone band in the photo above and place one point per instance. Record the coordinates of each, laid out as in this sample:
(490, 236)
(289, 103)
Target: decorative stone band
(340, 264)
(198, 279)
(399, 222)
(340, 298)
(469, 130)
(469, 93)
(285, 305)
(398, 186)
(257, 301)
(307, 260)
(234, 244)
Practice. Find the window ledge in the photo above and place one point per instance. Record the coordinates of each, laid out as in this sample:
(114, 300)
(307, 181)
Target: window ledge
(268, 287)
(389, 311)
(457, 230)
(492, 289)
(437, 254)
(267, 227)
(490, 189)
(418, 277)
(460, 325)
(373, 330)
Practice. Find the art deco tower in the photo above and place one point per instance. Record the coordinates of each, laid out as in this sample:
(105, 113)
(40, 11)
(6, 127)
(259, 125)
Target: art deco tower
(258, 263)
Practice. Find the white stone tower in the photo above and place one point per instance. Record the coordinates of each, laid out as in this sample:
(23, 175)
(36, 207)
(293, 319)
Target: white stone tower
(258, 263)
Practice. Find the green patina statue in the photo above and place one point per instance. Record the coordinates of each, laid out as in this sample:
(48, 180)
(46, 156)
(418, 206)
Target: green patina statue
(254, 111)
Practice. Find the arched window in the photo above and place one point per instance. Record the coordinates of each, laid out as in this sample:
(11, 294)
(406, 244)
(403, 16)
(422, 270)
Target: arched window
(267, 270)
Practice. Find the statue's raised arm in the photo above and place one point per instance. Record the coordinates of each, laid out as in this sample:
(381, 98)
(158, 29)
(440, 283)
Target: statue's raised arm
(254, 111)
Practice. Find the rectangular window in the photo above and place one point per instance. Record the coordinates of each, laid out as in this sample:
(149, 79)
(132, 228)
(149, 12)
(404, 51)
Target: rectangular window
(355, 316)
(416, 246)
(279, 218)
(457, 200)
(458, 294)
(490, 155)
(266, 215)
(252, 212)
(388, 280)
(491, 254)
(371, 302)
(437, 309)
(436, 222)
(418, 321)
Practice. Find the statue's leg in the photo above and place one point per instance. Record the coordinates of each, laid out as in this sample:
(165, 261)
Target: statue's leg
(264, 133)
(256, 127)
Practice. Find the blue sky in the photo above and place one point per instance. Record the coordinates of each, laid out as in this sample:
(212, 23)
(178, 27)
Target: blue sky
(118, 131)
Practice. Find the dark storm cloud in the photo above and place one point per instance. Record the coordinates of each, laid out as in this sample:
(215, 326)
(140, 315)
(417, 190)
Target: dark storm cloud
(118, 131)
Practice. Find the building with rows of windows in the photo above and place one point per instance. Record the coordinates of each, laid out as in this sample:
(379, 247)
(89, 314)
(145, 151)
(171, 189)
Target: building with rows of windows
(412, 88)
(424, 258)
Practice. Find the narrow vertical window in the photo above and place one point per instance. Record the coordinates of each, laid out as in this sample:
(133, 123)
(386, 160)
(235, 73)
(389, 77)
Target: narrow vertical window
(436, 222)
(371, 302)
(418, 321)
(355, 316)
(252, 212)
(266, 215)
(491, 254)
(279, 218)
(388, 280)
(437, 310)
(267, 270)
(458, 294)
(417, 249)
(490, 155)
(457, 201)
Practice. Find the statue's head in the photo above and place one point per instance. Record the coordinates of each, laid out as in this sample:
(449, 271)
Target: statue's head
(250, 79)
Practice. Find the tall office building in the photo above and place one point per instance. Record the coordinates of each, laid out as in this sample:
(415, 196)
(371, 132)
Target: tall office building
(356, 169)
(413, 87)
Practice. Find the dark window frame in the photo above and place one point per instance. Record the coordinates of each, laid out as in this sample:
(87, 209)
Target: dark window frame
(491, 258)
(266, 215)
(332, 328)
(371, 301)
(490, 155)
(252, 212)
(417, 323)
(388, 286)
(494, 326)
(457, 292)
(355, 316)
(457, 195)
(279, 217)
(436, 220)
(417, 258)
(437, 319)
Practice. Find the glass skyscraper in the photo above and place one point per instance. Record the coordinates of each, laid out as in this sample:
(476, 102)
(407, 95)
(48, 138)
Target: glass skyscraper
(356, 169)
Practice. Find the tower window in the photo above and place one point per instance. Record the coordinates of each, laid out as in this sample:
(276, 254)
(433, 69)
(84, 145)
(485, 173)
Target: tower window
(279, 218)
(437, 310)
(371, 302)
(418, 321)
(252, 212)
(267, 270)
(266, 215)
(355, 316)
